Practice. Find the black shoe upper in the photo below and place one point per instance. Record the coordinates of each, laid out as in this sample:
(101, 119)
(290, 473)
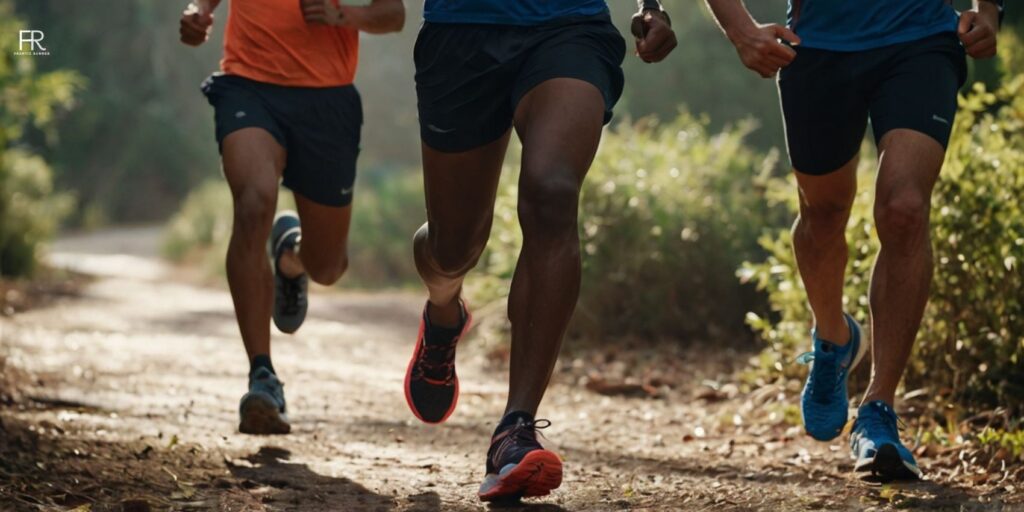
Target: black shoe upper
(511, 443)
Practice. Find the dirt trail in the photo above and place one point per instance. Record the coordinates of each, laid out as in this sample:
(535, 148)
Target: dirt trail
(134, 388)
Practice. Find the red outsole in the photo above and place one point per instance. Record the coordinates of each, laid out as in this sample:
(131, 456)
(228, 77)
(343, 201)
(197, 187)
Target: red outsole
(537, 474)
(412, 362)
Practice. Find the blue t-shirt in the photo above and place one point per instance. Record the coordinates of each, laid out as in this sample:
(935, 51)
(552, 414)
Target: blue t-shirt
(509, 12)
(855, 25)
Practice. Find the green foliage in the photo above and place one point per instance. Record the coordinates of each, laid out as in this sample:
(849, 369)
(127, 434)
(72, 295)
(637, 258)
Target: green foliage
(385, 214)
(667, 213)
(971, 345)
(29, 209)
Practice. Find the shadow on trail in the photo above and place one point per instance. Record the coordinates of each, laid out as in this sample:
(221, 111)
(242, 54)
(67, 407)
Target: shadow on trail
(294, 484)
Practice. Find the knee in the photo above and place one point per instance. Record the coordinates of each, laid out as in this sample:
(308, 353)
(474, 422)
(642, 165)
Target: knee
(326, 272)
(456, 255)
(823, 218)
(254, 211)
(549, 207)
(901, 218)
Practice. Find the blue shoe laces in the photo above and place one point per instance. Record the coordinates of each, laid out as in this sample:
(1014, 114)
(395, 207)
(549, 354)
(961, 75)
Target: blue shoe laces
(825, 370)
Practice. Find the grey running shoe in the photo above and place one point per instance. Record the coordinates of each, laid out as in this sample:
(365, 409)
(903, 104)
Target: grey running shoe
(262, 409)
(290, 294)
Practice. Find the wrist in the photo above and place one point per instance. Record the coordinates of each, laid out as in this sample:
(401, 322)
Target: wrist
(741, 32)
(992, 10)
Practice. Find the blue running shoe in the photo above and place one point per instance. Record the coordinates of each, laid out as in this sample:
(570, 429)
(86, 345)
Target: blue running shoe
(262, 409)
(876, 445)
(824, 403)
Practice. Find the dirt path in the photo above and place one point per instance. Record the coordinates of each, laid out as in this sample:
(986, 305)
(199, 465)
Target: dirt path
(133, 388)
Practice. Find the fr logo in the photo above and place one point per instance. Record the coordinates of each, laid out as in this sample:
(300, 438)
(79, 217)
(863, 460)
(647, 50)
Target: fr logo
(30, 42)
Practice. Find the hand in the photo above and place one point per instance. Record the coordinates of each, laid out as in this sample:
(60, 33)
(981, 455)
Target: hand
(323, 12)
(978, 29)
(655, 39)
(196, 24)
(760, 50)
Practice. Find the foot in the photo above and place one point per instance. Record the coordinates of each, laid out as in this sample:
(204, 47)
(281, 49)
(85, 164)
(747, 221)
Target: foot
(876, 444)
(518, 466)
(290, 293)
(824, 402)
(262, 409)
(431, 383)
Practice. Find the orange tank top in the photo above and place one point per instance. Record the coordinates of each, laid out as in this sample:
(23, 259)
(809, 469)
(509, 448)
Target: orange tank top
(269, 41)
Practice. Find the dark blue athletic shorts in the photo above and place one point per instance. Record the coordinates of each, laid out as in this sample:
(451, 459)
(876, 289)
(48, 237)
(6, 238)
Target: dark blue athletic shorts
(319, 129)
(470, 77)
(828, 97)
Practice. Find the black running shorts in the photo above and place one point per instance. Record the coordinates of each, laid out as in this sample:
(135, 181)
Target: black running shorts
(319, 129)
(469, 77)
(828, 97)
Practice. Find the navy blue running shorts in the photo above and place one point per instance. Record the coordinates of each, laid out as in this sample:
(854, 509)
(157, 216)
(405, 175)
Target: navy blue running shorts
(319, 129)
(828, 97)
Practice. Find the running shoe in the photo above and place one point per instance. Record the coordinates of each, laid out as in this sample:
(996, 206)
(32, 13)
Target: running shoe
(431, 383)
(518, 466)
(824, 402)
(262, 409)
(290, 293)
(876, 445)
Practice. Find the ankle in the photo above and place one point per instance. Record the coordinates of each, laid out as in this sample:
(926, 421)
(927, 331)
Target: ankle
(261, 361)
(836, 333)
(448, 316)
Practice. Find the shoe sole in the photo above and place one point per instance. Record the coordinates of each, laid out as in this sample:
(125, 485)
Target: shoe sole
(277, 237)
(412, 363)
(539, 473)
(888, 466)
(261, 417)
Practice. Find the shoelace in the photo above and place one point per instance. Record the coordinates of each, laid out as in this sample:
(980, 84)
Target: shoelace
(887, 422)
(524, 432)
(436, 362)
(292, 296)
(824, 375)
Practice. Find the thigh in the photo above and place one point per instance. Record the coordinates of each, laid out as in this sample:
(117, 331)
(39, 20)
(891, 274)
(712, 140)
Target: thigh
(909, 166)
(323, 129)
(324, 230)
(463, 84)
(589, 50)
(253, 161)
(460, 190)
(824, 108)
(917, 88)
(559, 123)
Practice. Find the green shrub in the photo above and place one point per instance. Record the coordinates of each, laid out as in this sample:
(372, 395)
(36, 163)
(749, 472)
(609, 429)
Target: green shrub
(971, 345)
(30, 211)
(387, 210)
(667, 214)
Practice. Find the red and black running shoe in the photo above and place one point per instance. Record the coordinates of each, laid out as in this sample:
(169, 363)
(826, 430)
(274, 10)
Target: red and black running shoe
(431, 384)
(518, 466)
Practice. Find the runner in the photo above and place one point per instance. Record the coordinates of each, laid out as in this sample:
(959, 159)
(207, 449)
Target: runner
(551, 70)
(900, 65)
(285, 107)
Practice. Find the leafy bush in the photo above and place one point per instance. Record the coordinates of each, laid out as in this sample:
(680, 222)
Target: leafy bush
(29, 210)
(668, 212)
(386, 212)
(971, 345)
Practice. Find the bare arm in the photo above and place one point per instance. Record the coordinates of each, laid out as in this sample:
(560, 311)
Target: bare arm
(757, 45)
(379, 17)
